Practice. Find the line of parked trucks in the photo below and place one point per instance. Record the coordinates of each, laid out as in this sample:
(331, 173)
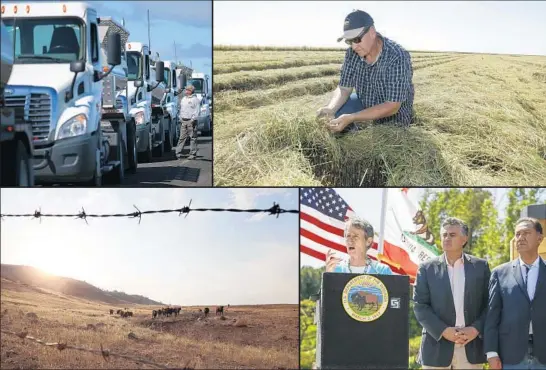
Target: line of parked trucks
(79, 101)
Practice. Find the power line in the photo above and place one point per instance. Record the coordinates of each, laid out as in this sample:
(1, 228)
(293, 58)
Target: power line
(274, 210)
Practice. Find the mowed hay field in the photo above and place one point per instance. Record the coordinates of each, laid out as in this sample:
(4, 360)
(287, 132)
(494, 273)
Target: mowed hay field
(269, 339)
(480, 120)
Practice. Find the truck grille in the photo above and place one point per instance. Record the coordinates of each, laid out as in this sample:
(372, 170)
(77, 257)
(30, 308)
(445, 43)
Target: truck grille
(33, 108)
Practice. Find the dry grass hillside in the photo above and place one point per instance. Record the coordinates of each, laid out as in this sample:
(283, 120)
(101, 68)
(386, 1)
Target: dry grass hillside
(479, 121)
(247, 337)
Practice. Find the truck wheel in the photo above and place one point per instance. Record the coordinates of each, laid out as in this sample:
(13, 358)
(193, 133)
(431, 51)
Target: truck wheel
(131, 147)
(19, 171)
(97, 176)
(148, 154)
(119, 172)
(169, 137)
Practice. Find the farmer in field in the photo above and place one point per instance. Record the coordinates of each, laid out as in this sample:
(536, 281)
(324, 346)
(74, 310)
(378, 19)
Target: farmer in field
(379, 70)
(189, 111)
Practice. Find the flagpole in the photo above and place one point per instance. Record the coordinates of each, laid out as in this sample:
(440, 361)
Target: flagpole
(383, 217)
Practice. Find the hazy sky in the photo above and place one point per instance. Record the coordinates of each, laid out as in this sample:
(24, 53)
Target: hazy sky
(208, 258)
(367, 203)
(474, 26)
(188, 23)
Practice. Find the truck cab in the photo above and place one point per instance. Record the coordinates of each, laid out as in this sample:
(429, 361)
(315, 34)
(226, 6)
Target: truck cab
(16, 149)
(167, 105)
(57, 82)
(201, 83)
(141, 84)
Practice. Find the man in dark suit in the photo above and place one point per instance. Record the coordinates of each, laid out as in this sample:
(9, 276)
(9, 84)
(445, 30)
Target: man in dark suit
(450, 301)
(515, 327)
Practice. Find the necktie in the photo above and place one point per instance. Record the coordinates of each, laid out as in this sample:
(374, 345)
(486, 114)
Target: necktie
(527, 268)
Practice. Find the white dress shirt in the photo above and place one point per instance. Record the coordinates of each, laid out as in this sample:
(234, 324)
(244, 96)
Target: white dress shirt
(532, 278)
(456, 280)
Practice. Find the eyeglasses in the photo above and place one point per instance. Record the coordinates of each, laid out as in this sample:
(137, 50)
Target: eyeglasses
(357, 39)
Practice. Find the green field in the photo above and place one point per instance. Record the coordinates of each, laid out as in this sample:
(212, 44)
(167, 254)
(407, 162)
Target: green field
(480, 121)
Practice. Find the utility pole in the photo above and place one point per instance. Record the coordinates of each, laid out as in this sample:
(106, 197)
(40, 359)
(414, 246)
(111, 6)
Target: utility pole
(149, 41)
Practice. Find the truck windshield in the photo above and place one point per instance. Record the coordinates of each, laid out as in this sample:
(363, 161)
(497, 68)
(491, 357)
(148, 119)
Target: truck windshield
(133, 66)
(46, 40)
(198, 84)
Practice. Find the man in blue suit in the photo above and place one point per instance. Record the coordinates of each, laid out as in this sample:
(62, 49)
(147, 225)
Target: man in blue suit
(515, 326)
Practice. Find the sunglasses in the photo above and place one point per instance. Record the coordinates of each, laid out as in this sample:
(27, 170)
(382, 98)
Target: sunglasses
(357, 39)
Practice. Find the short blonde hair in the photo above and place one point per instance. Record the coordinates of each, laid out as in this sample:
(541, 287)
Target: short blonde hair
(190, 87)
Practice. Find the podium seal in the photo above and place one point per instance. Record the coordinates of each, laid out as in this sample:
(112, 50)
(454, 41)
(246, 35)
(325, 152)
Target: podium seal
(365, 298)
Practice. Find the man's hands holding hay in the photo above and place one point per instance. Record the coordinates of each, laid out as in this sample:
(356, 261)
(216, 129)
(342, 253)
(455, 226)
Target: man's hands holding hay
(326, 115)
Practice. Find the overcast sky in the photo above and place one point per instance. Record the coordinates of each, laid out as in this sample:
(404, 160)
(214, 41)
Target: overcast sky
(367, 203)
(507, 27)
(207, 258)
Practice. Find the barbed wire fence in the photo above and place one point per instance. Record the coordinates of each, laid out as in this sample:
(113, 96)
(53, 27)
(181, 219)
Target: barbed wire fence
(106, 354)
(82, 215)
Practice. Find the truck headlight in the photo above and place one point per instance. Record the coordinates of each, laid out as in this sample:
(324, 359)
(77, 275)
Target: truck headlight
(139, 118)
(75, 126)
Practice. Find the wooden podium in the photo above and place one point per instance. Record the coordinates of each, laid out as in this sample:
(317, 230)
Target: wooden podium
(363, 322)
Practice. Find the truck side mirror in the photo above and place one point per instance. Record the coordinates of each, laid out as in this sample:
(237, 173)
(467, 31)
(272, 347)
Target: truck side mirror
(159, 71)
(184, 81)
(114, 49)
(77, 66)
(139, 83)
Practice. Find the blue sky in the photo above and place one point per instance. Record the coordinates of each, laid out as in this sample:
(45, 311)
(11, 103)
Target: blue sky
(507, 27)
(207, 258)
(364, 200)
(188, 23)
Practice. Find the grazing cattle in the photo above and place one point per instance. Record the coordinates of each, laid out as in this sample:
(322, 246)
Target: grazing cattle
(363, 298)
(154, 314)
(206, 311)
(111, 312)
(220, 310)
(178, 310)
(119, 312)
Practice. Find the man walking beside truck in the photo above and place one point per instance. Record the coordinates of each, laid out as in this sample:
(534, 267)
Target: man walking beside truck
(189, 111)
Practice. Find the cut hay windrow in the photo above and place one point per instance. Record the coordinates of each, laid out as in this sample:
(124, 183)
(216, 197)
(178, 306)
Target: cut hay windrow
(288, 63)
(479, 121)
(260, 79)
(274, 48)
(233, 99)
(246, 56)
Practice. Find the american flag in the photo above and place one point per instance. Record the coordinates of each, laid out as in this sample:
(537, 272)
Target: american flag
(323, 213)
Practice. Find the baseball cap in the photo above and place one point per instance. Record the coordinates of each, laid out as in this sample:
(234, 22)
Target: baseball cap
(356, 22)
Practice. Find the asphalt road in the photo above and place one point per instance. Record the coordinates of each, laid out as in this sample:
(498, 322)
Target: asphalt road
(168, 171)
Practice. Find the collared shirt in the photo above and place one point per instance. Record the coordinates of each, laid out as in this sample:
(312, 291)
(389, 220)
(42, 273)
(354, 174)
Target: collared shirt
(373, 267)
(532, 278)
(457, 280)
(189, 107)
(388, 79)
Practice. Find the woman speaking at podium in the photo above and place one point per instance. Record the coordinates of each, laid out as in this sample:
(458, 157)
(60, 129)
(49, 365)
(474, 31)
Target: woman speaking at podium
(358, 239)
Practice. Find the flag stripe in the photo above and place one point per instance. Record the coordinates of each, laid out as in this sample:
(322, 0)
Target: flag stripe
(321, 217)
(317, 222)
(313, 253)
(318, 239)
(320, 232)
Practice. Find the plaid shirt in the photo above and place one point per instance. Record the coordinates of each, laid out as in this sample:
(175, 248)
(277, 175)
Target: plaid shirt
(389, 79)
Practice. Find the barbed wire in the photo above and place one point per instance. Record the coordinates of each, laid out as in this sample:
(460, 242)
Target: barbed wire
(103, 352)
(274, 210)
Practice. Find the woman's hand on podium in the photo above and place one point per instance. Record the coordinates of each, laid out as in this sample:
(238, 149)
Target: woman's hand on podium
(331, 261)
